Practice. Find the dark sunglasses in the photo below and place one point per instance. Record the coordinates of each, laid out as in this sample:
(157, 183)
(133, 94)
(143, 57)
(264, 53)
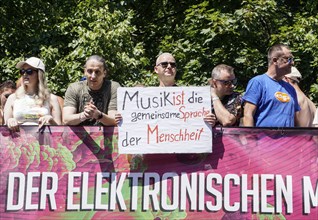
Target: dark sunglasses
(27, 71)
(7, 95)
(228, 82)
(165, 64)
(289, 59)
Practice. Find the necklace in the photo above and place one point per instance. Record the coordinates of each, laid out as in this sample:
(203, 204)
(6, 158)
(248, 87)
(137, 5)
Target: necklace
(31, 96)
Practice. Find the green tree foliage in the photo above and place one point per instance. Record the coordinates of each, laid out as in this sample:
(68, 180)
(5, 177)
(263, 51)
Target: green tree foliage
(89, 28)
(130, 35)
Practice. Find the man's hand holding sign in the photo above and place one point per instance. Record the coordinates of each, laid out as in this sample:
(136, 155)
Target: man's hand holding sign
(164, 120)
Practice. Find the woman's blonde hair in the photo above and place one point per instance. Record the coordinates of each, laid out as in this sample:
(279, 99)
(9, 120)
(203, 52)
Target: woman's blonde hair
(42, 94)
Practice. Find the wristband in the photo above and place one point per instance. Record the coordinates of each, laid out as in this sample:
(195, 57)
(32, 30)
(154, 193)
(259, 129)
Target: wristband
(100, 115)
(215, 98)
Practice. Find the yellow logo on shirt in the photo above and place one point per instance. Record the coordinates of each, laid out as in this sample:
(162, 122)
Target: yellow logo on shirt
(283, 97)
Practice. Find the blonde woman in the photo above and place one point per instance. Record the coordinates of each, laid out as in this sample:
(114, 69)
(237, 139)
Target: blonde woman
(32, 103)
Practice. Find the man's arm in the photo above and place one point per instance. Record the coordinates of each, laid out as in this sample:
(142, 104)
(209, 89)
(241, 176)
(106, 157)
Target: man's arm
(315, 122)
(56, 110)
(249, 111)
(108, 119)
(70, 117)
(222, 114)
(305, 116)
(299, 121)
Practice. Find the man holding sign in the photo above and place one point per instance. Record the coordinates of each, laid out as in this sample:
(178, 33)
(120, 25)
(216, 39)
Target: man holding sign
(166, 116)
(166, 68)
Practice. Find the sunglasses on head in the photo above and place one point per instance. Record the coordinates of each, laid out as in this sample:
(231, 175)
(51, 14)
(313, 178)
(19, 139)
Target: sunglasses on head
(228, 82)
(27, 71)
(165, 64)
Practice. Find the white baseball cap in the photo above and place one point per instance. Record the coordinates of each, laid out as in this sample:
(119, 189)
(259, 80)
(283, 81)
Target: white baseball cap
(295, 74)
(32, 61)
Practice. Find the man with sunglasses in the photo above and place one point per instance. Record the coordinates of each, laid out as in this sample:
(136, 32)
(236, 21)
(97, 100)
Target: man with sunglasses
(166, 68)
(226, 104)
(269, 100)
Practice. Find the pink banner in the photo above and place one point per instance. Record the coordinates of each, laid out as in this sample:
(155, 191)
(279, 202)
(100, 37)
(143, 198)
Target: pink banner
(77, 173)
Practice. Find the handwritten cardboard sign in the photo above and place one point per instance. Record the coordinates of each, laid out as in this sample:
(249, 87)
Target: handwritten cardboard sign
(164, 120)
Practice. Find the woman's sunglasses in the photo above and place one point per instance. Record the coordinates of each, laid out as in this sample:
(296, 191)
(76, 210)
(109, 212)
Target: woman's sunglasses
(27, 71)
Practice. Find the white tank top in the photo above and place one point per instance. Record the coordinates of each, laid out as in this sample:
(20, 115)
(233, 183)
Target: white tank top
(27, 112)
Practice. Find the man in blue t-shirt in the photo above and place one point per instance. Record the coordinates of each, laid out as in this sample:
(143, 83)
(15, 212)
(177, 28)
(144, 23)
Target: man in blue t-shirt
(269, 100)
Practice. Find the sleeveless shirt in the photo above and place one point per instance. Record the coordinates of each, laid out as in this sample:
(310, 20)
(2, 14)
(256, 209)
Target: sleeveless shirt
(27, 112)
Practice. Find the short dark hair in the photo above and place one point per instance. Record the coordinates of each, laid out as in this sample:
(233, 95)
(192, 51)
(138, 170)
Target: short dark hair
(99, 59)
(217, 70)
(7, 84)
(275, 50)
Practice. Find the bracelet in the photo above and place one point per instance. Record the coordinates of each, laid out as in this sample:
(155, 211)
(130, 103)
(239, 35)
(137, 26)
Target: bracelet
(100, 115)
(215, 98)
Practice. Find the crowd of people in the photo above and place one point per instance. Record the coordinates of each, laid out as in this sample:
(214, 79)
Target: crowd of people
(272, 99)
